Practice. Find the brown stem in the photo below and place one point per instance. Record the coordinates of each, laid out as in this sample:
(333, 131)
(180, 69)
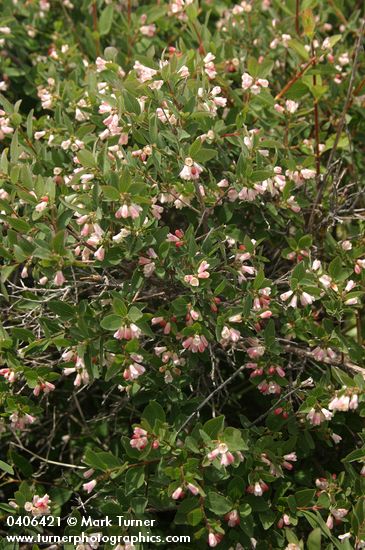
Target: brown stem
(289, 84)
(129, 12)
(96, 27)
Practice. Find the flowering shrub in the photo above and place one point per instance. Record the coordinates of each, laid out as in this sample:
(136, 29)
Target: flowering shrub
(182, 268)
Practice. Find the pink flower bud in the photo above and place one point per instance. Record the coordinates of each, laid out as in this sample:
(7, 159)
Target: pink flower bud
(59, 279)
(178, 493)
(89, 486)
(193, 489)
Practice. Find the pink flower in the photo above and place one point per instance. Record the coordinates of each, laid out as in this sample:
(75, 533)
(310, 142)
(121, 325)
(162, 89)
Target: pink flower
(229, 335)
(214, 539)
(209, 66)
(139, 439)
(340, 403)
(193, 489)
(306, 299)
(59, 279)
(354, 402)
(99, 254)
(346, 245)
(133, 371)
(100, 64)
(286, 295)
(254, 85)
(183, 71)
(8, 374)
(278, 108)
(20, 421)
(89, 486)
(255, 351)
(316, 417)
(42, 205)
(133, 211)
(336, 438)
(39, 506)
(128, 332)
(144, 73)
(196, 343)
(322, 483)
(247, 81)
(45, 387)
(339, 513)
(178, 493)
(191, 170)
(359, 266)
(227, 459)
(329, 522)
(258, 488)
(291, 106)
(232, 518)
(148, 30)
(351, 302)
(202, 270)
(266, 314)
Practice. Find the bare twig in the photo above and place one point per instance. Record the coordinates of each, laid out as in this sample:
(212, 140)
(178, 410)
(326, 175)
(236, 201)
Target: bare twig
(210, 396)
(47, 460)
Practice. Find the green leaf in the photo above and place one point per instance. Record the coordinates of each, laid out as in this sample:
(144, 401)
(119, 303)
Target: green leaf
(134, 479)
(214, 427)
(299, 48)
(6, 467)
(304, 497)
(106, 20)
(86, 158)
(203, 155)
(110, 193)
(154, 412)
(131, 104)
(18, 224)
(6, 271)
(135, 314)
(335, 268)
(314, 539)
(65, 311)
(218, 503)
(269, 333)
(298, 272)
(194, 517)
(119, 307)
(267, 519)
(354, 456)
(111, 322)
(234, 440)
(58, 242)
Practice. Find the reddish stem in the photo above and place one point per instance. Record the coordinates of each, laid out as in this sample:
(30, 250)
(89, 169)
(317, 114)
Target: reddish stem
(289, 84)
